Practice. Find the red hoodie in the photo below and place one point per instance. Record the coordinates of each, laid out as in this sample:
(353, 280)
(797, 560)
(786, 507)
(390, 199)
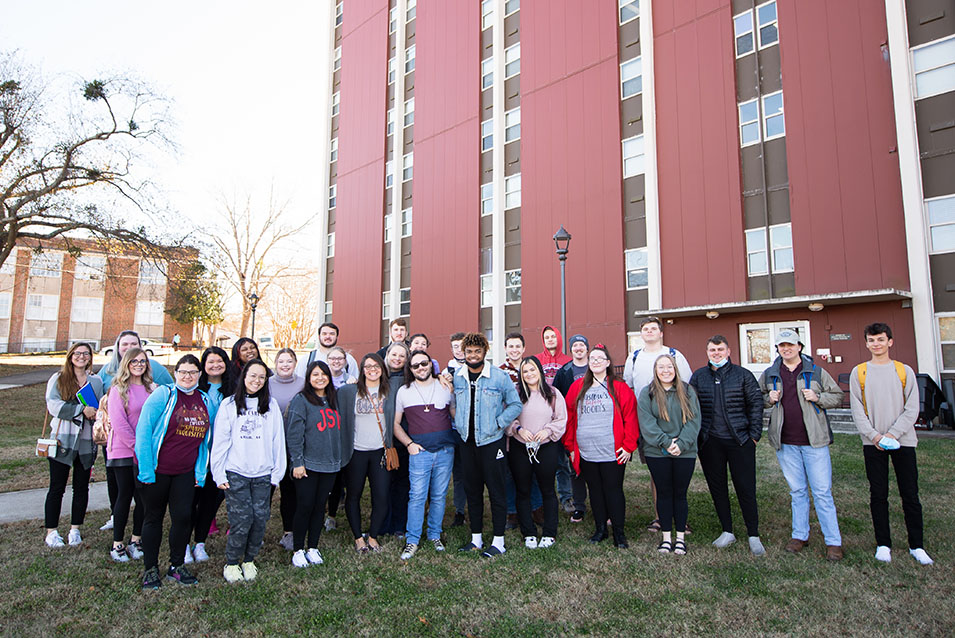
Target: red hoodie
(553, 362)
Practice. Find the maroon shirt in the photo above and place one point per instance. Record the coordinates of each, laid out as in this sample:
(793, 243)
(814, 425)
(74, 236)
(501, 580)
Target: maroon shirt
(187, 429)
(794, 430)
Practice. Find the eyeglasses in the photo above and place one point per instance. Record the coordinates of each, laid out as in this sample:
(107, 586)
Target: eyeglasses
(599, 359)
(82, 355)
(138, 362)
(420, 364)
(336, 359)
(372, 366)
(187, 373)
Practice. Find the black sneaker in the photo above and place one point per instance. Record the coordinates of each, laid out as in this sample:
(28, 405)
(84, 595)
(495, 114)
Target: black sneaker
(151, 579)
(458, 519)
(181, 575)
(577, 516)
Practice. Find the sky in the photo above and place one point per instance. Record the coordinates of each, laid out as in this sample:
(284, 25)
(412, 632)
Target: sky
(242, 77)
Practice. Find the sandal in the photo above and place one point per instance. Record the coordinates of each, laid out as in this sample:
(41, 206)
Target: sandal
(665, 547)
(363, 548)
(679, 548)
(654, 525)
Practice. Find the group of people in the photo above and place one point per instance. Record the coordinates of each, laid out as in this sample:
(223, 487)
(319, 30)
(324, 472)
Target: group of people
(551, 429)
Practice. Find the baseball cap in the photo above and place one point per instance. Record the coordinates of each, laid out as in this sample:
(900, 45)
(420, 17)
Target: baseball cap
(787, 336)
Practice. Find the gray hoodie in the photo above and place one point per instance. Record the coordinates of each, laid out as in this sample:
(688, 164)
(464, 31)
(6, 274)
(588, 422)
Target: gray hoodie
(317, 437)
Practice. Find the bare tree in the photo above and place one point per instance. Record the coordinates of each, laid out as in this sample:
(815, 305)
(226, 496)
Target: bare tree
(246, 237)
(69, 159)
(292, 308)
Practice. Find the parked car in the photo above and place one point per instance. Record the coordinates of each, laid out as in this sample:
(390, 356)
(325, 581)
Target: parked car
(152, 347)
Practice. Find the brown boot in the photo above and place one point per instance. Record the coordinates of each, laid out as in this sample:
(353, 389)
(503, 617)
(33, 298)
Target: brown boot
(834, 552)
(795, 545)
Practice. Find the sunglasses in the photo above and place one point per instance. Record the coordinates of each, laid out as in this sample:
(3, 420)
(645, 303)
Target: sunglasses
(420, 364)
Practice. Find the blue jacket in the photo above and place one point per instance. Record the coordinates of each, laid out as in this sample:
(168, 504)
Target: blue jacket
(151, 431)
(161, 376)
(496, 408)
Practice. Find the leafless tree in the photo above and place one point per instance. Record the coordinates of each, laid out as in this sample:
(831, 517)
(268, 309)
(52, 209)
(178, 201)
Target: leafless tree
(292, 308)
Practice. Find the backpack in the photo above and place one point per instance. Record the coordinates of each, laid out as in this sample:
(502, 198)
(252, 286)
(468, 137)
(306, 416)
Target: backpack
(636, 353)
(899, 370)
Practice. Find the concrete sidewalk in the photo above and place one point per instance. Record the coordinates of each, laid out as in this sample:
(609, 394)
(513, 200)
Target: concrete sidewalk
(40, 375)
(28, 504)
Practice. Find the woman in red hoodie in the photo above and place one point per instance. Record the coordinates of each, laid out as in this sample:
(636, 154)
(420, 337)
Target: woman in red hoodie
(553, 357)
(602, 432)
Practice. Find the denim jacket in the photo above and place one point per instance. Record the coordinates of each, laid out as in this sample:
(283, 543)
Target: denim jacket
(497, 404)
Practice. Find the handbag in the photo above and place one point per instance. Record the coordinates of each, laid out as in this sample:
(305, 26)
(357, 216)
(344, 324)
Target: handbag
(47, 448)
(101, 426)
(390, 457)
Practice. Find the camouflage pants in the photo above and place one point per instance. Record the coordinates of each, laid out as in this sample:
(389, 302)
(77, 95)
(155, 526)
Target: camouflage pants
(248, 503)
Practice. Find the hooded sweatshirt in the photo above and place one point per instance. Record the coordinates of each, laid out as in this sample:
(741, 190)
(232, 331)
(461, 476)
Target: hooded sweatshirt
(553, 362)
(250, 444)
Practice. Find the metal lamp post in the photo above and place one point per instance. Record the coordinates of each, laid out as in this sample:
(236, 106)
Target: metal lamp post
(562, 241)
(253, 304)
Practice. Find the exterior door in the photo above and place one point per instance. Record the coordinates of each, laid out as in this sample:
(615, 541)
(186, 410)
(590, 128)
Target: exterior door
(757, 343)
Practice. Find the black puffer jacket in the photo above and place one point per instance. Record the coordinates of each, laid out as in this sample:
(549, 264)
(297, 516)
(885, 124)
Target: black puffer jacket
(742, 400)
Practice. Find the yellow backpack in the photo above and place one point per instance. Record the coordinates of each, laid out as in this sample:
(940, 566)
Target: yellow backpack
(899, 370)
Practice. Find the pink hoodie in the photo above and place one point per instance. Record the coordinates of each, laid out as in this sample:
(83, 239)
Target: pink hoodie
(553, 362)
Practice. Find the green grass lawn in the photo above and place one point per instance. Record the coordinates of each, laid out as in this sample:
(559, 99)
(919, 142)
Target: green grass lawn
(573, 588)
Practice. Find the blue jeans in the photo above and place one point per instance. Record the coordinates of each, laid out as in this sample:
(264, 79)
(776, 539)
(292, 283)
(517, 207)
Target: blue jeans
(430, 473)
(804, 468)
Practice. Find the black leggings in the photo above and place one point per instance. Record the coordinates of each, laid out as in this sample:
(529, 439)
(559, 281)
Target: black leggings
(366, 464)
(59, 473)
(287, 502)
(175, 491)
(605, 483)
(205, 506)
(112, 487)
(311, 493)
(672, 477)
(545, 470)
(125, 476)
(335, 496)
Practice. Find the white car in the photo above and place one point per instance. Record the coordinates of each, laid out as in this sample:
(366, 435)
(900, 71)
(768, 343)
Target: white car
(153, 348)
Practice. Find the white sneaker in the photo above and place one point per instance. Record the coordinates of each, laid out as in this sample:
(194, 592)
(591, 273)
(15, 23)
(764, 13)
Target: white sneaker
(409, 551)
(530, 542)
(919, 554)
(314, 557)
(299, 559)
(135, 550)
(53, 539)
(74, 539)
(188, 558)
(249, 570)
(199, 553)
(546, 541)
(232, 573)
(107, 525)
(330, 524)
(119, 555)
(724, 540)
(756, 546)
(883, 554)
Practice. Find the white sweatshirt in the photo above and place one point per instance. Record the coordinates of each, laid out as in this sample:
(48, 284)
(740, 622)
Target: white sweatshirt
(250, 444)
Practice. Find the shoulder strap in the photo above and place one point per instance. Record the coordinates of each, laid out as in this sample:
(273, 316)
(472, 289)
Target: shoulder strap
(900, 370)
(673, 352)
(860, 372)
(636, 353)
(311, 357)
(46, 421)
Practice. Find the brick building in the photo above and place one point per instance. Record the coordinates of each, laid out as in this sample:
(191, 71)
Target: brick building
(79, 291)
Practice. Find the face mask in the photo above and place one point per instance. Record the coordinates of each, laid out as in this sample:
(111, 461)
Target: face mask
(189, 389)
(718, 364)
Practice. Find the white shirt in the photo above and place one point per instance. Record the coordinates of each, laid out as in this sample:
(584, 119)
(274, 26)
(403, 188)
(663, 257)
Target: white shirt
(638, 374)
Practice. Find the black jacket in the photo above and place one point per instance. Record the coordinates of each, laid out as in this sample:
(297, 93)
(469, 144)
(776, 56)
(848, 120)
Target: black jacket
(742, 400)
(564, 378)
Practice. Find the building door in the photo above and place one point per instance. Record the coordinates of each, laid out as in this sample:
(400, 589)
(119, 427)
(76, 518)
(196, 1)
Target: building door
(757, 343)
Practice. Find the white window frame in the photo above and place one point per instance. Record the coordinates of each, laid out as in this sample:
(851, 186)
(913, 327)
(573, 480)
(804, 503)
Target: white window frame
(410, 59)
(409, 112)
(330, 245)
(760, 250)
(42, 307)
(149, 313)
(390, 122)
(635, 163)
(388, 218)
(404, 302)
(511, 7)
(627, 75)
(336, 103)
(756, 121)
(487, 14)
(337, 63)
(393, 19)
(6, 303)
(407, 166)
(512, 125)
(743, 32)
(487, 198)
(333, 150)
(487, 290)
(328, 311)
(87, 310)
(781, 247)
(389, 173)
(9, 266)
(339, 13)
(90, 268)
(762, 25)
(633, 5)
(332, 196)
(510, 288)
(928, 221)
(941, 344)
(778, 114)
(950, 41)
(774, 328)
(385, 304)
(512, 191)
(411, 10)
(487, 135)
(46, 264)
(512, 61)
(392, 69)
(150, 273)
(406, 222)
(635, 268)
(487, 73)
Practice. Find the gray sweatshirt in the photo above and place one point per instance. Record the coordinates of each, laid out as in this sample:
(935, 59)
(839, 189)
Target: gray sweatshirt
(890, 411)
(250, 444)
(317, 437)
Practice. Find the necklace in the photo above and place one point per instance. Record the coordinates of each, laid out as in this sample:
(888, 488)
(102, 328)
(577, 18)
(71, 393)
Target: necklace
(430, 401)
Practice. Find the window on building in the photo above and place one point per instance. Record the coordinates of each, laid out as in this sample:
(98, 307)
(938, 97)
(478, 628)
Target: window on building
(392, 69)
(487, 199)
(328, 311)
(6, 299)
(411, 11)
(633, 157)
(38, 345)
(487, 290)
(46, 264)
(332, 196)
(511, 7)
(404, 302)
(934, 67)
(512, 286)
(390, 122)
(946, 337)
(336, 102)
(487, 260)
(386, 304)
(339, 8)
(149, 313)
(389, 173)
(629, 10)
(768, 26)
(756, 260)
(406, 222)
(333, 153)
(487, 13)
(87, 310)
(338, 59)
(393, 20)
(781, 242)
(9, 266)
(409, 59)
(409, 112)
(743, 30)
(388, 219)
(774, 124)
(330, 245)
(748, 122)
(941, 223)
(512, 125)
(487, 73)
(635, 262)
(90, 268)
(407, 167)
(512, 191)
(151, 273)
(631, 78)
(512, 61)
(487, 135)
(42, 307)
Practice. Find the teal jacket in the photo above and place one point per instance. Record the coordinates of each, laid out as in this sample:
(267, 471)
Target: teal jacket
(658, 434)
(151, 431)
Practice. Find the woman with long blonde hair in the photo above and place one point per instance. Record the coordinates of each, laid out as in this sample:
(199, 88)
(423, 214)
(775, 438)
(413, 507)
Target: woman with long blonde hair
(669, 424)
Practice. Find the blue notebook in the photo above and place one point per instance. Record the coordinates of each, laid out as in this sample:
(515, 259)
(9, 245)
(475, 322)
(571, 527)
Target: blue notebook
(87, 397)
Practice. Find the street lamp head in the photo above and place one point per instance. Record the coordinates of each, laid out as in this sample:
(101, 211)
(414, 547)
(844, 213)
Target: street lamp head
(562, 240)
(253, 300)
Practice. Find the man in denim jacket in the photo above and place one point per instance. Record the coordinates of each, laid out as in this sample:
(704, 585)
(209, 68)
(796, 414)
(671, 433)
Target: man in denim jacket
(487, 403)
